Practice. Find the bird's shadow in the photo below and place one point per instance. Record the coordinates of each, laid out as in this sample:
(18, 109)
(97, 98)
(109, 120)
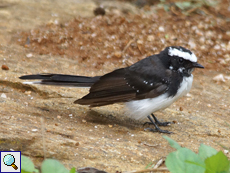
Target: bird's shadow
(98, 117)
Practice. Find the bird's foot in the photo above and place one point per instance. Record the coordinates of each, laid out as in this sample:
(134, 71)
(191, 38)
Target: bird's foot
(157, 121)
(160, 123)
(157, 130)
(156, 124)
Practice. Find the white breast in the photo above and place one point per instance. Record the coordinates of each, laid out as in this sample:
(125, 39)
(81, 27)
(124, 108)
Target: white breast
(141, 108)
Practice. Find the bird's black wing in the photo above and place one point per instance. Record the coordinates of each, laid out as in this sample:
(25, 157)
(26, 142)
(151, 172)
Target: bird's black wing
(139, 81)
(149, 78)
(110, 88)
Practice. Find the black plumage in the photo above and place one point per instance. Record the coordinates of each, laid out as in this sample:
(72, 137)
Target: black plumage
(165, 74)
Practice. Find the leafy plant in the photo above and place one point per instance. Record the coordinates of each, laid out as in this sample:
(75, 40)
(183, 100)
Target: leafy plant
(48, 166)
(186, 7)
(208, 160)
(27, 165)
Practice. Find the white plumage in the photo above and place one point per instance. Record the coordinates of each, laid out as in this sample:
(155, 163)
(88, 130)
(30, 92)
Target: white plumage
(141, 108)
(175, 52)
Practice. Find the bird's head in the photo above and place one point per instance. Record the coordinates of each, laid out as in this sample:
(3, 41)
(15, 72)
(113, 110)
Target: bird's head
(181, 60)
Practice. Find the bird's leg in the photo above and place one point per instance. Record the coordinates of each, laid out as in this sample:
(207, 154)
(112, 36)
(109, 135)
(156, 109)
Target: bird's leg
(160, 123)
(156, 123)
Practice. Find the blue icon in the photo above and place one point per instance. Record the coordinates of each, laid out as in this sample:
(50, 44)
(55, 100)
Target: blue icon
(9, 160)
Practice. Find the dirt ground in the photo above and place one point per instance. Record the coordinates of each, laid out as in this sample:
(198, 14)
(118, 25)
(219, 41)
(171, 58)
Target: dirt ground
(65, 37)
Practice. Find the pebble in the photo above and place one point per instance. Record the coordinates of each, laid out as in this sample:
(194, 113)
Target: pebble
(217, 47)
(140, 42)
(3, 95)
(219, 78)
(150, 38)
(192, 44)
(5, 67)
(161, 29)
(226, 151)
(29, 55)
(27, 92)
(118, 54)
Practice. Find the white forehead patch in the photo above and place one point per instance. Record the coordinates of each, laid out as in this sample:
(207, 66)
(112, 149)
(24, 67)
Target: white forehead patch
(180, 53)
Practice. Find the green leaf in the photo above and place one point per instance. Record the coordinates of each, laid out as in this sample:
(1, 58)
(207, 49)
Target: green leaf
(183, 5)
(149, 165)
(206, 151)
(53, 166)
(177, 162)
(172, 143)
(218, 163)
(27, 165)
(73, 170)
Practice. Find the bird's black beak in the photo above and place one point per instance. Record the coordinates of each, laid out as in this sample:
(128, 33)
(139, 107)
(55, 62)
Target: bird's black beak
(196, 65)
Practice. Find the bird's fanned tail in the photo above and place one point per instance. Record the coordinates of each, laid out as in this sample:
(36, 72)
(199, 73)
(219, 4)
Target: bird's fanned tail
(61, 80)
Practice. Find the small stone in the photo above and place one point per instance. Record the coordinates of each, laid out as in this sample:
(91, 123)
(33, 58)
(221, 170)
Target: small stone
(84, 121)
(58, 116)
(3, 95)
(150, 38)
(219, 78)
(209, 105)
(161, 29)
(99, 11)
(110, 126)
(34, 130)
(226, 151)
(192, 44)
(29, 55)
(181, 109)
(222, 61)
(140, 42)
(217, 47)
(5, 67)
(189, 95)
(118, 54)
(175, 122)
(27, 92)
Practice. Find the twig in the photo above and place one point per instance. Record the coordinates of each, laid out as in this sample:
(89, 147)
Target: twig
(173, 9)
(43, 137)
(149, 145)
(150, 170)
(159, 163)
(191, 10)
(127, 46)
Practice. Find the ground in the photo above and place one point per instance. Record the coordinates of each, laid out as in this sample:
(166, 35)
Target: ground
(65, 37)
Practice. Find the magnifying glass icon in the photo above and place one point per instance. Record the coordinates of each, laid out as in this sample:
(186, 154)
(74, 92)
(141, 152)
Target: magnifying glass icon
(9, 160)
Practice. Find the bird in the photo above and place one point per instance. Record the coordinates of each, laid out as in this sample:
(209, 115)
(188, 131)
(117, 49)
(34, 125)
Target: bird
(147, 86)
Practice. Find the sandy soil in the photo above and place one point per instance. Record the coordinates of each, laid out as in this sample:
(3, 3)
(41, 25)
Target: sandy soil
(67, 38)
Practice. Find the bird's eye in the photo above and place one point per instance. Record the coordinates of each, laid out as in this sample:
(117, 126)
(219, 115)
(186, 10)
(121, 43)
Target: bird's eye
(181, 60)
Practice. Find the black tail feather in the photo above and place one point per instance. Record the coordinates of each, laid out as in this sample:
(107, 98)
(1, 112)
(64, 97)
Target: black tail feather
(61, 80)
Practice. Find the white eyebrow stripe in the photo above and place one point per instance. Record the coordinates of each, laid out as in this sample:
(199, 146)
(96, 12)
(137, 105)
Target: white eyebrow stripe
(186, 55)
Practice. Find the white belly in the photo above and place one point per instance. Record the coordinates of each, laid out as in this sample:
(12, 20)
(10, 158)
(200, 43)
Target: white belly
(141, 108)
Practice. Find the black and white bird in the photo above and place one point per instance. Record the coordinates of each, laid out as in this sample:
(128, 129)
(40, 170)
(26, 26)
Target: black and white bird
(147, 86)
